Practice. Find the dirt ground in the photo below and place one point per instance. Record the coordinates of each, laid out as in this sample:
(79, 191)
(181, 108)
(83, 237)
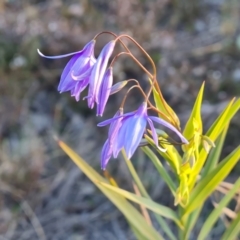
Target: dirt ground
(42, 193)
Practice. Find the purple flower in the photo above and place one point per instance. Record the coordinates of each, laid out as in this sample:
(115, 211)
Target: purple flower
(97, 74)
(80, 65)
(104, 91)
(79, 87)
(126, 131)
(107, 150)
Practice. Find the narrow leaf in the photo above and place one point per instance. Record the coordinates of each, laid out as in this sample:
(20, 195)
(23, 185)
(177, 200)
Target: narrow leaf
(135, 176)
(209, 183)
(165, 108)
(213, 217)
(215, 130)
(171, 155)
(132, 215)
(195, 116)
(191, 221)
(233, 230)
(161, 221)
(215, 153)
(148, 203)
(162, 171)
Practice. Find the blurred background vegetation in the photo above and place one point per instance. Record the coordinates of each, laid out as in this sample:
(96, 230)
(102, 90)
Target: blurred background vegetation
(42, 194)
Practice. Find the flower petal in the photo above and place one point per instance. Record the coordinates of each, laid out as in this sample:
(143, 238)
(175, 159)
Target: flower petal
(58, 56)
(66, 81)
(79, 87)
(154, 133)
(170, 126)
(104, 92)
(106, 154)
(134, 134)
(115, 125)
(99, 69)
(108, 121)
(120, 138)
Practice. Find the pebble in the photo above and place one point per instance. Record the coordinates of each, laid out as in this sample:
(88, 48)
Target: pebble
(236, 75)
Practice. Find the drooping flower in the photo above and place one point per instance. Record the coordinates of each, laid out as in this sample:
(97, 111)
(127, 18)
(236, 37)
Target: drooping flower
(80, 65)
(128, 131)
(104, 91)
(107, 149)
(79, 87)
(97, 74)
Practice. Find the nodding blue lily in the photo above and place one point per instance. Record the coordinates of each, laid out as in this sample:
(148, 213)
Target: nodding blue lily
(104, 91)
(79, 87)
(107, 149)
(81, 65)
(97, 74)
(128, 129)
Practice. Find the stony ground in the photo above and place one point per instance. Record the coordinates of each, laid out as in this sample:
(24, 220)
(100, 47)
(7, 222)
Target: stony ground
(42, 194)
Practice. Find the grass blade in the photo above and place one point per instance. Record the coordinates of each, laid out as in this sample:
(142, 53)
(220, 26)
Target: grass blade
(213, 217)
(195, 116)
(148, 203)
(208, 184)
(233, 230)
(215, 153)
(214, 131)
(162, 171)
(132, 215)
(143, 191)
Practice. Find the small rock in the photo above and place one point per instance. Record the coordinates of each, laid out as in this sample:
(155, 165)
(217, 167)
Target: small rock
(76, 10)
(236, 75)
(199, 26)
(18, 62)
(199, 71)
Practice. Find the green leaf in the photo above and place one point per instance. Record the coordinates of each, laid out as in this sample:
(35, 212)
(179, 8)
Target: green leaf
(162, 105)
(215, 130)
(135, 176)
(191, 221)
(233, 230)
(162, 171)
(165, 227)
(137, 180)
(223, 119)
(213, 217)
(148, 203)
(209, 183)
(137, 233)
(171, 155)
(132, 215)
(195, 117)
(215, 153)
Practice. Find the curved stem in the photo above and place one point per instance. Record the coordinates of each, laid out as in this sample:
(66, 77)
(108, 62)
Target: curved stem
(116, 36)
(160, 112)
(153, 77)
(128, 91)
(146, 99)
(127, 49)
(142, 49)
(130, 54)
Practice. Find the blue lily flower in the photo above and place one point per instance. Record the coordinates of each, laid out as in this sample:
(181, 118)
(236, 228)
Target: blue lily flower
(81, 65)
(104, 91)
(126, 132)
(107, 150)
(97, 74)
(79, 87)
